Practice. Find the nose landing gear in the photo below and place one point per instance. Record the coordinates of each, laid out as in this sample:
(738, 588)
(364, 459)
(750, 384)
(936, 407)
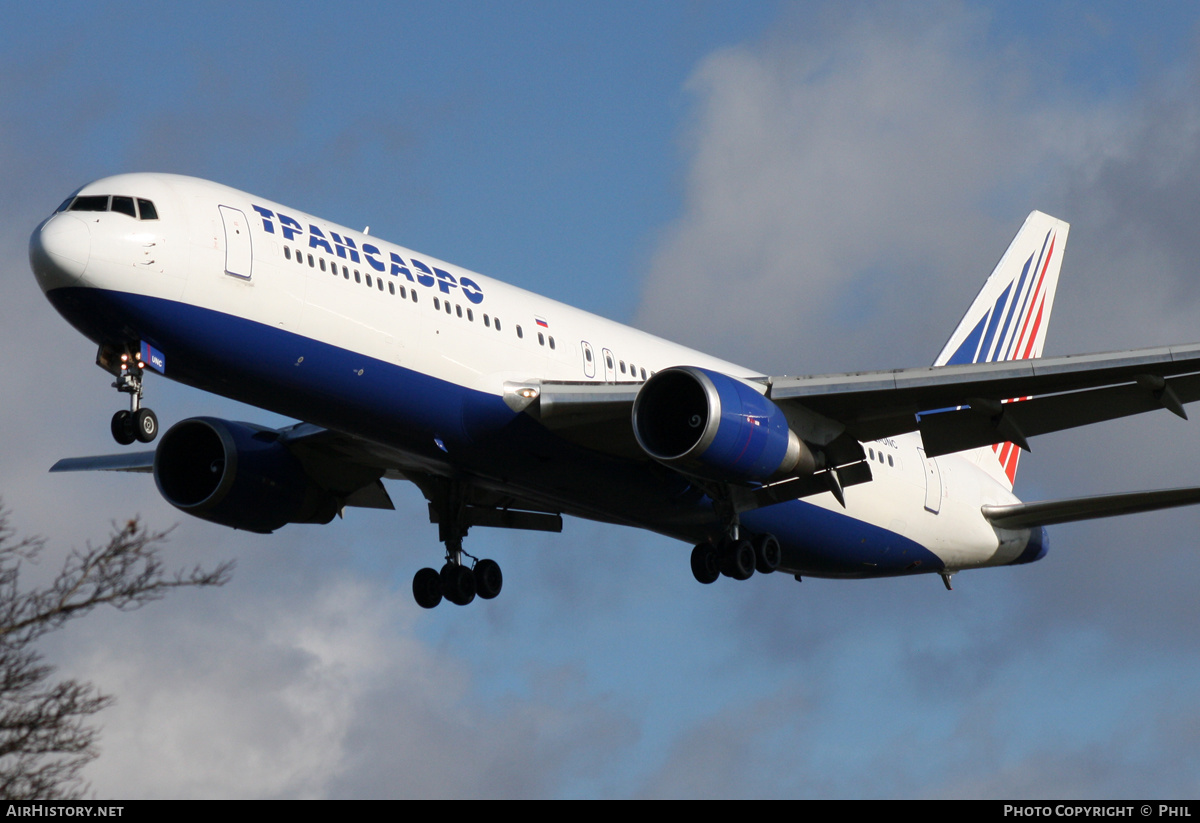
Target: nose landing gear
(138, 423)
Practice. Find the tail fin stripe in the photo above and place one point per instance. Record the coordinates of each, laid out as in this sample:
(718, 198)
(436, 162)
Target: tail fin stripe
(1022, 317)
(1027, 298)
(971, 345)
(997, 313)
(1033, 334)
(1036, 292)
(1012, 309)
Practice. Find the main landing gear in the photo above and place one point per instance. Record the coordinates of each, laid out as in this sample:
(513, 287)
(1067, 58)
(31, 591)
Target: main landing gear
(456, 582)
(138, 423)
(735, 556)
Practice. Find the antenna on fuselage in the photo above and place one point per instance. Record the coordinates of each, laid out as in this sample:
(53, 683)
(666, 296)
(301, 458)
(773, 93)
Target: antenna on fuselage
(367, 230)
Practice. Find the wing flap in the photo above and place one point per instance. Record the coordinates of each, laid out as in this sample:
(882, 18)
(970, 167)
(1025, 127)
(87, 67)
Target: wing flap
(986, 423)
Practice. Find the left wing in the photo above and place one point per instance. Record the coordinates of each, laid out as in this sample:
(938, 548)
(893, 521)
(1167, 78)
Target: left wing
(341, 465)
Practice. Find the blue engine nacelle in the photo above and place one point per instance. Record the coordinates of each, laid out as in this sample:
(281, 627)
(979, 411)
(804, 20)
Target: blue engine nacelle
(713, 425)
(237, 475)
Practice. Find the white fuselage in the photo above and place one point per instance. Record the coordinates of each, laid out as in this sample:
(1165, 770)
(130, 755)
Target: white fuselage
(392, 307)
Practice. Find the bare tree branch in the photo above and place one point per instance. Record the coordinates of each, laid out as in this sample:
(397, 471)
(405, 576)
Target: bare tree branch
(45, 738)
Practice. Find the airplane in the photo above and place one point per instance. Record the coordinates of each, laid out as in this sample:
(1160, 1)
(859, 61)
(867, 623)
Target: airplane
(509, 409)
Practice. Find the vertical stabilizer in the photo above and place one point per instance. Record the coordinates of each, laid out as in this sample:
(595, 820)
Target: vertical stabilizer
(1010, 315)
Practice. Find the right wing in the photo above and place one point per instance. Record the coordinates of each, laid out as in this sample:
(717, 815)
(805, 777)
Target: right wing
(966, 406)
(954, 407)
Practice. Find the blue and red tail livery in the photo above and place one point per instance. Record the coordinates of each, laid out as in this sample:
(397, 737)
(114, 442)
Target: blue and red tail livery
(1010, 316)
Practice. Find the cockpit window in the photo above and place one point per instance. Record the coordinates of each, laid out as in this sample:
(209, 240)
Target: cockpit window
(123, 204)
(118, 203)
(91, 202)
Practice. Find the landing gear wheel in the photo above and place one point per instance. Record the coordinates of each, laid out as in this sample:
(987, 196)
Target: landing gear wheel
(427, 588)
(767, 555)
(488, 579)
(458, 584)
(122, 427)
(145, 425)
(739, 560)
(705, 567)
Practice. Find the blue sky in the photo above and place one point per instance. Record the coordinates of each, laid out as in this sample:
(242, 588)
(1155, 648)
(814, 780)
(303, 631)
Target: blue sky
(803, 188)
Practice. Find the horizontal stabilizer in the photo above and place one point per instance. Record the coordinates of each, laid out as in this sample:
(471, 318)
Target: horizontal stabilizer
(1050, 512)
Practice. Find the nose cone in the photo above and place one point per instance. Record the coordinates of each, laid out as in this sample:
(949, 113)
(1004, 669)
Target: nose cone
(59, 250)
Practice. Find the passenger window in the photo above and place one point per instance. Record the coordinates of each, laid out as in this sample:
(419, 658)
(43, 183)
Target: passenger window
(487, 321)
(541, 339)
(458, 309)
(311, 263)
(403, 292)
(123, 205)
(391, 287)
(890, 463)
(437, 304)
(357, 278)
(287, 252)
(470, 316)
(622, 367)
(147, 209)
(552, 342)
(643, 374)
(379, 283)
(447, 304)
(520, 333)
(587, 353)
(322, 264)
(368, 281)
(497, 324)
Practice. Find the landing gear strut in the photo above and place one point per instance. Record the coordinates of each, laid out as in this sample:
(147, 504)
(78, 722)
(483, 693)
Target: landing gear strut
(456, 582)
(138, 423)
